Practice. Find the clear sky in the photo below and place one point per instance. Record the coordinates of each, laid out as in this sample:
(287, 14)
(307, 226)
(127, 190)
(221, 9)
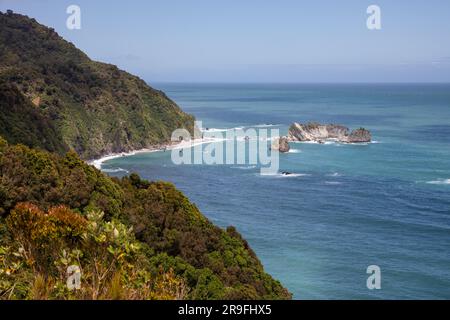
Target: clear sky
(258, 40)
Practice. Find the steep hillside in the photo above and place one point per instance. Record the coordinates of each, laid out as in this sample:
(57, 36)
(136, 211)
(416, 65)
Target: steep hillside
(58, 211)
(21, 122)
(90, 107)
(131, 239)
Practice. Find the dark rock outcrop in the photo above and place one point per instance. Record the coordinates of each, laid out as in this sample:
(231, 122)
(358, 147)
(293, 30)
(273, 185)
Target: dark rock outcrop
(281, 145)
(359, 135)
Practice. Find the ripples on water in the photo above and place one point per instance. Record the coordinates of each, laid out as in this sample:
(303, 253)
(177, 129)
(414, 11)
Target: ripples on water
(344, 207)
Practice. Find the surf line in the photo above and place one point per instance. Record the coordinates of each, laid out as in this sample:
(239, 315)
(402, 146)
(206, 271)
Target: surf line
(238, 144)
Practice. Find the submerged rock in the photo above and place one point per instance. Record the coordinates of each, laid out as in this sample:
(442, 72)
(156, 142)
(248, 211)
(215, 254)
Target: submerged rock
(319, 132)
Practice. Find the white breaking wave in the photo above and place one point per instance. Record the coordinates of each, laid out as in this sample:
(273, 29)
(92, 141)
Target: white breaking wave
(306, 142)
(205, 130)
(334, 174)
(326, 142)
(181, 145)
(99, 162)
(337, 143)
(333, 183)
(244, 167)
(265, 125)
(284, 175)
(214, 130)
(293, 175)
(359, 144)
(238, 128)
(115, 170)
(440, 181)
(295, 151)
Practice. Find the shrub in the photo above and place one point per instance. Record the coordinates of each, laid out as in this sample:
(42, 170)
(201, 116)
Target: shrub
(59, 211)
(43, 246)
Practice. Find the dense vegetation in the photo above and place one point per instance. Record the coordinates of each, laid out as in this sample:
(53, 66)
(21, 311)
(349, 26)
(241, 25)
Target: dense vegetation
(22, 123)
(73, 102)
(131, 238)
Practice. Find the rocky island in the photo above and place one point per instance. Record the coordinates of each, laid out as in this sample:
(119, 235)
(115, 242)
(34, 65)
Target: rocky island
(321, 132)
(281, 145)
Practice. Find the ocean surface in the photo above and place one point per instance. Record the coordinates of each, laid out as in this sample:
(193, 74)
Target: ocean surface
(345, 207)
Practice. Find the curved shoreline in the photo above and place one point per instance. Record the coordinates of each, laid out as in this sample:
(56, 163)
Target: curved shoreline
(97, 163)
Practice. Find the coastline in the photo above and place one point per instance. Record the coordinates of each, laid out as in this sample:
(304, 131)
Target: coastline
(97, 163)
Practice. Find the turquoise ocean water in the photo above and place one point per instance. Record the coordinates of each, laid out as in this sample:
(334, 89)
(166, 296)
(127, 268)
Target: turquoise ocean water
(347, 206)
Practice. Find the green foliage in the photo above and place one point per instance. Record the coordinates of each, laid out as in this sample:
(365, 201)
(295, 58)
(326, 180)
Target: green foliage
(49, 180)
(90, 107)
(111, 261)
(132, 238)
(112, 224)
(21, 122)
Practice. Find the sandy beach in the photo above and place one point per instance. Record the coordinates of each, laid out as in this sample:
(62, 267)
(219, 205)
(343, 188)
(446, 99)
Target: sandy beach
(157, 148)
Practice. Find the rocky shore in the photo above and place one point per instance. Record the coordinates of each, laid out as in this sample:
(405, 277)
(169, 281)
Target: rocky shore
(321, 132)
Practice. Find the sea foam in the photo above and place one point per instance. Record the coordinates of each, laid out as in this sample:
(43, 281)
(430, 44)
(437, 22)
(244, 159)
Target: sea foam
(333, 183)
(281, 175)
(439, 181)
(244, 167)
(115, 170)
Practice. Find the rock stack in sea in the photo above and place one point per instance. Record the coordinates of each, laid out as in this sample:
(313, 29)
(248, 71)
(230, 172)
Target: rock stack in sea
(319, 132)
(281, 145)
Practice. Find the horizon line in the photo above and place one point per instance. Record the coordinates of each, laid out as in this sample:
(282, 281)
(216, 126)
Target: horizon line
(300, 82)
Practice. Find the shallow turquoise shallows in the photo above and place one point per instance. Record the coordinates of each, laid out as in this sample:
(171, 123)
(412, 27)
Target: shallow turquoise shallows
(345, 207)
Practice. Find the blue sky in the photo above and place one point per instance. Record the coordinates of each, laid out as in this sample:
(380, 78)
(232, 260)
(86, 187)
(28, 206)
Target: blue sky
(258, 40)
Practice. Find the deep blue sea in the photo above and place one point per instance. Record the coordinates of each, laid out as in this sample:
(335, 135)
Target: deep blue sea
(348, 206)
